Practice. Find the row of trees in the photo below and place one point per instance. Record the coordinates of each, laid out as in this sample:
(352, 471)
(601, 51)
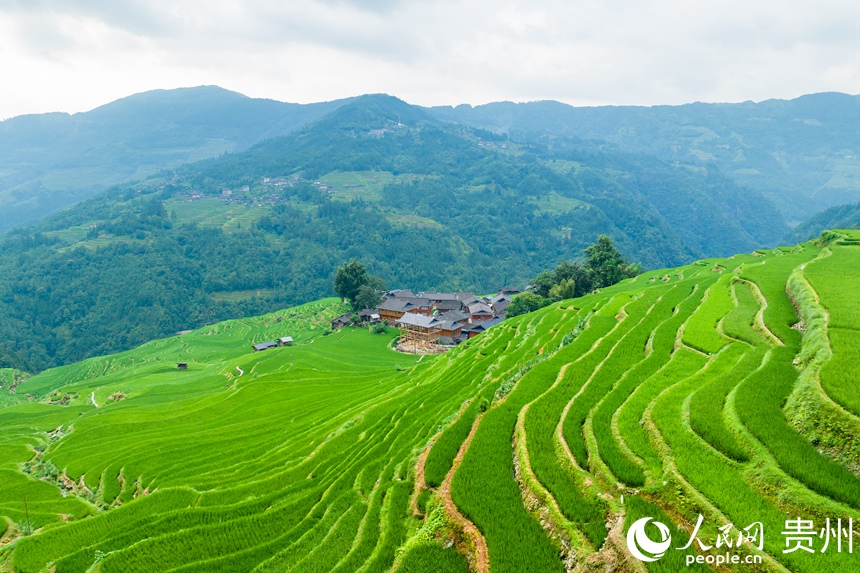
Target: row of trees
(604, 265)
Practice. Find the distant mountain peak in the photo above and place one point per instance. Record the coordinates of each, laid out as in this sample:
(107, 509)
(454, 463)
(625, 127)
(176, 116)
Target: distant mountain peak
(169, 100)
(376, 111)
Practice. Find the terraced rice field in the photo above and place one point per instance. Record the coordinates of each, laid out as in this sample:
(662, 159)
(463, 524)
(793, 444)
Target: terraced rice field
(726, 389)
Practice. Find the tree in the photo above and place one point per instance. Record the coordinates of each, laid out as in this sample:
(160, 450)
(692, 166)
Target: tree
(607, 263)
(565, 289)
(353, 283)
(603, 266)
(350, 277)
(542, 283)
(526, 302)
(367, 297)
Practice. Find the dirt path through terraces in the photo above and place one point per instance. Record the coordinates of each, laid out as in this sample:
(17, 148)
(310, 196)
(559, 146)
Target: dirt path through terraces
(482, 553)
(420, 483)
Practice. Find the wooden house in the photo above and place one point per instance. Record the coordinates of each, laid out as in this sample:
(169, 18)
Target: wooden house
(473, 330)
(391, 309)
(449, 331)
(500, 304)
(341, 321)
(480, 311)
(265, 345)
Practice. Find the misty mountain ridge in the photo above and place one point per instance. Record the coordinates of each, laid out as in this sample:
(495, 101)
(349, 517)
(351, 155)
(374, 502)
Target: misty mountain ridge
(801, 154)
(53, 160)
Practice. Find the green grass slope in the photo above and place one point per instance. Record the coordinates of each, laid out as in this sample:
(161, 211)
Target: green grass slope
(678, 393)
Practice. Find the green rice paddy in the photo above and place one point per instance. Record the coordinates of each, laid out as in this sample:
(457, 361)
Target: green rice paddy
(670, 403)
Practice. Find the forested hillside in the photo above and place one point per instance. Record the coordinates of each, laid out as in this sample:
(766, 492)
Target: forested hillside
(802, 154)
(841, 217)
(423, 204)
(49, 161)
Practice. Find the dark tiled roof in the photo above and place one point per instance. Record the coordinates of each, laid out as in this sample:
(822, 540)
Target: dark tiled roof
(449, 325)
(345, 318)
(265, 345)
(420, 320)
(437, 296)
(454, 315)
(501, 307)
(480, 308)
(394, 304)
(404, 304)
(482, 326)
(402, 293)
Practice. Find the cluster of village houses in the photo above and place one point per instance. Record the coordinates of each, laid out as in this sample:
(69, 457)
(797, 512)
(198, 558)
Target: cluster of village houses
(426, 319)
(444, 318)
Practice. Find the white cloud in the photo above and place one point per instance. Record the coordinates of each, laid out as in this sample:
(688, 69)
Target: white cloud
(75, 54)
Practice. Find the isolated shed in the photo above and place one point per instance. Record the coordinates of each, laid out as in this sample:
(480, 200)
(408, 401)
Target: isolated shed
(265, 345)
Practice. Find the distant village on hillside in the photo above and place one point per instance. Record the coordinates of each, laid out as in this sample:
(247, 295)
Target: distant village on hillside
(432, 322)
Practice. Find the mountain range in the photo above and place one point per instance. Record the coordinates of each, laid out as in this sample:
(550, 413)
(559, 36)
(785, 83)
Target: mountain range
(424, 202)
(52, 160)
(803, 154)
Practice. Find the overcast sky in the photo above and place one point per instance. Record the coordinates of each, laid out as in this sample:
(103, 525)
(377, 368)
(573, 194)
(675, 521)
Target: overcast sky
(73, 55)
